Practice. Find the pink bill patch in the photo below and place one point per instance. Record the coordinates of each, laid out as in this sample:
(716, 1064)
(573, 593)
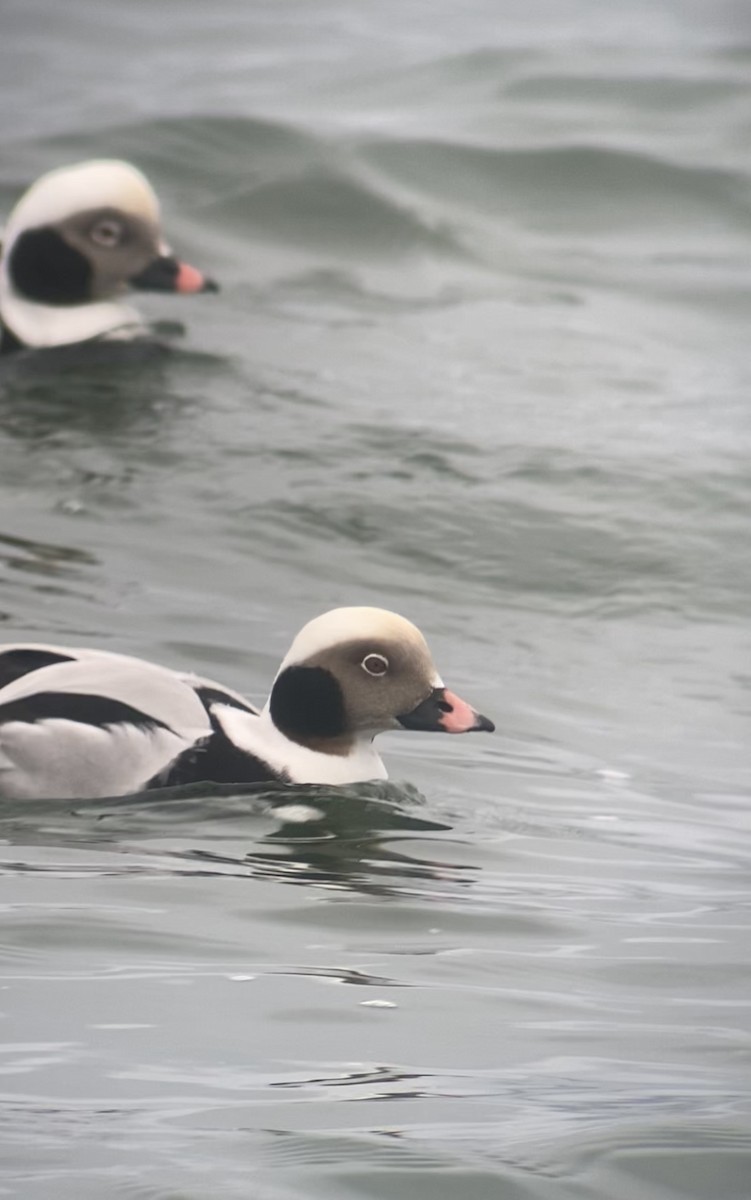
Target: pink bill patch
(189, 279)
(462, 718)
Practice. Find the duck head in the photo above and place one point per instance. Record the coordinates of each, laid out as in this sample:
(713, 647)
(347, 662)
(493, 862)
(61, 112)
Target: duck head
(356, 672)
(77, 240)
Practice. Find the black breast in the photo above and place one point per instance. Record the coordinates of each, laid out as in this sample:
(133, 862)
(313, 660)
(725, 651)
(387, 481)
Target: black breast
(9, 343)
(217, 759)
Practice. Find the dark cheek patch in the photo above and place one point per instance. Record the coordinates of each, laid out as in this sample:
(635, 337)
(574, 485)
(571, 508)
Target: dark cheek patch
(307, 704)
(45, 269)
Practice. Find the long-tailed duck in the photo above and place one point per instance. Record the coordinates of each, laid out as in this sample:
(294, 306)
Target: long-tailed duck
(91, 724)
(74, 243)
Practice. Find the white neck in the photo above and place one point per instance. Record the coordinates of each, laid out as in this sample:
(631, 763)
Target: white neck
(260, 736)
(45, 325)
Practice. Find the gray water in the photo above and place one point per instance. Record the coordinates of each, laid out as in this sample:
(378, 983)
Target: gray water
(481, 356)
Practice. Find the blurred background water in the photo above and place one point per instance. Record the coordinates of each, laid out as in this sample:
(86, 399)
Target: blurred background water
(481, 356)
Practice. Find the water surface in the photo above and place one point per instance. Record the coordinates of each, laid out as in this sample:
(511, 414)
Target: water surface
(481, 356)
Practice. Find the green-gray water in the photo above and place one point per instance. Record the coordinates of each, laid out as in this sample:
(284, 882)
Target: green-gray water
(481, 356)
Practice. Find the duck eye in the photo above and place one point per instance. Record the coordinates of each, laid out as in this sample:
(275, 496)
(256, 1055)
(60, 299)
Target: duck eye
(375, 664)
(107, 233)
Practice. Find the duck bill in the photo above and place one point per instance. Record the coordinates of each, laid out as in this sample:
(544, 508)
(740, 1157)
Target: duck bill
(168, 274)
(445, 712)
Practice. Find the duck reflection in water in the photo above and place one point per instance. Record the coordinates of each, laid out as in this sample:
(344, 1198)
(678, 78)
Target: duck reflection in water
(353, 840)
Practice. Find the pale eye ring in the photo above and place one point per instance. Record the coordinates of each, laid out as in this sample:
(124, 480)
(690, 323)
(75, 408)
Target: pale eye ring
(108, 232)
(375, 664)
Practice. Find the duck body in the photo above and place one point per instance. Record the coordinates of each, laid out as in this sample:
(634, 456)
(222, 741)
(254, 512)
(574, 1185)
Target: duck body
(75, 243)
(88, 723)
(84, 724)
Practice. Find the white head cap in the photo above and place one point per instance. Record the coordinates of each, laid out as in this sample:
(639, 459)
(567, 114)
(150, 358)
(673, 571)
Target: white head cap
(96, 184)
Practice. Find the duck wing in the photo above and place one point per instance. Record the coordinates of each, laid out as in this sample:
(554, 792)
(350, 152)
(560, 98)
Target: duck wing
(91, 726)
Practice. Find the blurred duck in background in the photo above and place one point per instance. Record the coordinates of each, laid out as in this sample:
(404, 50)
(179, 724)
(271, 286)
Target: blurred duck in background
(74, 244)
